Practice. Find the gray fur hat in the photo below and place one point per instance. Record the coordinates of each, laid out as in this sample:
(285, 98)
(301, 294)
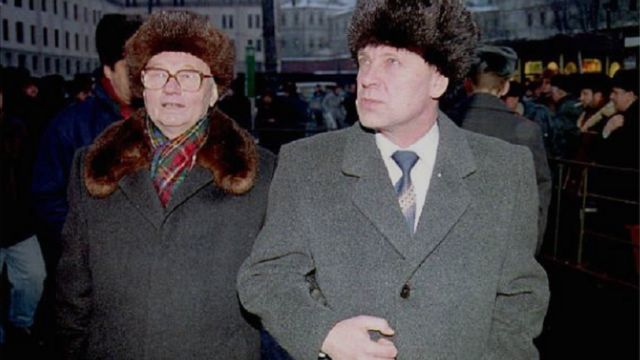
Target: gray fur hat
(441, 31)
(500, 60)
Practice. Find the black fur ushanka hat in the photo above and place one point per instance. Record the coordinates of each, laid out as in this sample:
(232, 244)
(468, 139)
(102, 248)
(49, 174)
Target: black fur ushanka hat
(180, 31)
(441, 31)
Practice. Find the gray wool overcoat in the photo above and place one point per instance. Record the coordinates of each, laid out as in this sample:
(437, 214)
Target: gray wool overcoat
(335, 245)
(139, 281)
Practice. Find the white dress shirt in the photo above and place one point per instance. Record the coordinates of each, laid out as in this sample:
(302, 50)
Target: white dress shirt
(426, 148)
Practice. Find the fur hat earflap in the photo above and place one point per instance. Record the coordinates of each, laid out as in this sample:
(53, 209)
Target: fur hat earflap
(180, 31)
(441, 31)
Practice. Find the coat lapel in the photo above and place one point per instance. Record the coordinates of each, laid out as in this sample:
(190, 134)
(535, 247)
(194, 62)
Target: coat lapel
(447, 196)
(197, 178)
(138, 189)
(373, 193)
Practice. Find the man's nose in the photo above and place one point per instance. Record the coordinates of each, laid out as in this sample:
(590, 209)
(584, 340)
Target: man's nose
(172, 86)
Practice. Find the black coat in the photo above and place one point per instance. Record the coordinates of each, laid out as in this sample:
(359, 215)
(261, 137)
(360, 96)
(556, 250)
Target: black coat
(139, 281)
(487, 114)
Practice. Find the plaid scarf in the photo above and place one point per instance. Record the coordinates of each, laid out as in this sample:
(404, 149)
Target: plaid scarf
(172, 159)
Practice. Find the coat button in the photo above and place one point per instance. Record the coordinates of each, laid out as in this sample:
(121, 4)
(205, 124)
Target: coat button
(405, 291)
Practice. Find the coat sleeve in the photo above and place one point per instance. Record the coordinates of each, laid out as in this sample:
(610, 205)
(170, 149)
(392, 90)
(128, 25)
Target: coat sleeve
(523, 292)
(543, 180)
(50, 174)
(73, 277)
(274, 282)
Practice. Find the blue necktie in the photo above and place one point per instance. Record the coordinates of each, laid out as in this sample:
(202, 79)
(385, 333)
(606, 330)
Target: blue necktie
(406, 194)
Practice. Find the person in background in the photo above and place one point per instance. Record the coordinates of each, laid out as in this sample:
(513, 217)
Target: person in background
(77, 126)
(164, 207)
(596, 106)
(19, 248)
(72, 128)
(483, 112)
(564, 129)
(409, 237)
(236, 104)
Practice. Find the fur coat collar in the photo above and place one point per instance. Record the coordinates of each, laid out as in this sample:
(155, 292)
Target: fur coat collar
(229, 153)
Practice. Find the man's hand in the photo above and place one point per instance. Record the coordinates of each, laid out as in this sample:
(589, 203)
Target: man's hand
(349, 340)
(616, 121)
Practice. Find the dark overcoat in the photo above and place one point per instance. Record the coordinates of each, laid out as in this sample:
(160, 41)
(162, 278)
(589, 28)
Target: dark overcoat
(335, 245)
(487, 114)
(139, 281)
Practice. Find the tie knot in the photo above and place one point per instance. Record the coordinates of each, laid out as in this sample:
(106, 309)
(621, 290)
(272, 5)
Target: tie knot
(405, 160)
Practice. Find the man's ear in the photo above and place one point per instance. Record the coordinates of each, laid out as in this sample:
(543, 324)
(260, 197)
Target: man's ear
(107, 71)
(505, 89)
(439, 85)
(214, 95)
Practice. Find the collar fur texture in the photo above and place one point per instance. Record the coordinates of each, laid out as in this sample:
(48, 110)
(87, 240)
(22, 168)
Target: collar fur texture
(123, 148)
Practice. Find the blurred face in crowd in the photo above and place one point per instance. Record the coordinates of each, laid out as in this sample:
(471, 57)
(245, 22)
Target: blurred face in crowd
(178, 91)
(511, 102)
(590, 99)
(119, 77)
(622, 99)
(398, 93)
(557, 94)
(31, 90)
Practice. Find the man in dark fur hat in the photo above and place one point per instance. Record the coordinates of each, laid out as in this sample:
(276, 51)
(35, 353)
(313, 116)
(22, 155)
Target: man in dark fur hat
(409, 238)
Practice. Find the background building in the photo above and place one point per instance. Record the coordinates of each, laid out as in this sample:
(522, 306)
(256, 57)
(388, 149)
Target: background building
(57, 36)
(50, 36)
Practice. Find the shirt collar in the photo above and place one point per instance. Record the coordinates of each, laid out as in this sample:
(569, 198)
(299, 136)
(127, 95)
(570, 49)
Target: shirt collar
(422, 147)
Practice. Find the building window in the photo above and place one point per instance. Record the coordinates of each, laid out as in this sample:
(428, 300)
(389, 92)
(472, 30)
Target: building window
(86, 43)
(57, 66)
(530, 20)
(249, 42)
(88, 66)
(283, 20)
(311, 44)
(320, 20)
(33, 34)
(45, 36)
(31, 5)
(311, 19)
(18, 3)
(65, 9)
(43, 5)
(8, 61)
(249, 21)
(543, 18)
(34, 63)
(56, 38)
(94, 17)
(66, 39)
(633, 5)
(55, 6)
(224, 21)
(19, 32)
(22, 61)
(77, 66)
(230, 21)
(5, 29)
(68, 66)
(47, 65)
(296, 19)
(258, 21)
(86, 15)
(75, 12)
(258, 45)
(77, 41)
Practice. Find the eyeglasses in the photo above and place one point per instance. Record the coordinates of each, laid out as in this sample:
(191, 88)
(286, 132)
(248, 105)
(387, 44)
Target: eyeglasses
(189, 80)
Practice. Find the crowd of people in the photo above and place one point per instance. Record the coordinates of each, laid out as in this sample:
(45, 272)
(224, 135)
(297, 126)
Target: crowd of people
(131, 197)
